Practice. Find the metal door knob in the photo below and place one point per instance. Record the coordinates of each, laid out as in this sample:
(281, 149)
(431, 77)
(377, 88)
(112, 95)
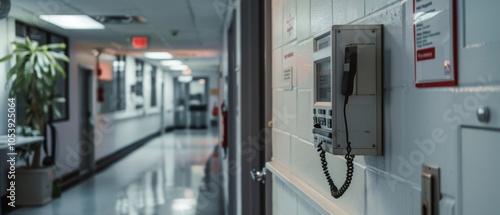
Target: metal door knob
(259, 176)
(483, 114)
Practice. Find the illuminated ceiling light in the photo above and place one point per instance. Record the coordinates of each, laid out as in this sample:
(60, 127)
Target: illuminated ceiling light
(158, 55)
(183, 205)
(72, 21)
(186, 72)
(179, 67)
(201, 81)
(171, 62)
(185, 78)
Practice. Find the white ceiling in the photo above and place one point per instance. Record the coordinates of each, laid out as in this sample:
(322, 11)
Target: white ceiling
(199, 23)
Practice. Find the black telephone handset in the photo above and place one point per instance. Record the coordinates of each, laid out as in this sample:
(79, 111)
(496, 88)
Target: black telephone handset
(350, 69)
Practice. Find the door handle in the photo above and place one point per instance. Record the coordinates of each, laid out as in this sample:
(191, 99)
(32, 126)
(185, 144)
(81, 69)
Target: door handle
(259, 176)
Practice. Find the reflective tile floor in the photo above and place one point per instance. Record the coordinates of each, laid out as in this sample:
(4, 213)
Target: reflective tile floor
(165, 177)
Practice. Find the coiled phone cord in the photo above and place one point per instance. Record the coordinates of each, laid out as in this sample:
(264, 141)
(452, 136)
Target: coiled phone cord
(335, 192)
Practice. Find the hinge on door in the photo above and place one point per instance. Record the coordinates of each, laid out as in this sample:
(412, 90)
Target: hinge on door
(430, 190)
(270, 123)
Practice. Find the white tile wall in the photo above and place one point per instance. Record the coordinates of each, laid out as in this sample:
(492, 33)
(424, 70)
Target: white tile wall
(420, 124)
(394, 53)
(277, 66)
(304, 115)
(290, 51)
(385, 191)
(277, 10)
(305, 163)
(321, 15)
(286, 199)
(304, 208)
(374, 5)
(289, 21)
(278, 117)
(289, 113)
(304, 65)
(303, 19)
(281, 147)
(347, 11)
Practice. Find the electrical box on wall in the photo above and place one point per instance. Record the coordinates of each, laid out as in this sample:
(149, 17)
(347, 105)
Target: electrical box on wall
(322, 108)
(357, 89)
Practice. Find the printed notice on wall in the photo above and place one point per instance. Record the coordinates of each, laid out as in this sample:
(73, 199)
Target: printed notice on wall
(287, 78)
(435, 49)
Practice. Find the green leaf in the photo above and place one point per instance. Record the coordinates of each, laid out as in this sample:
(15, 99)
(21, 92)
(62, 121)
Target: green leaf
(55, 46)
(34, 46)
(59, 56)
(36, 126)
(47, 81)
(28, 41)
(60, 100)
(6, 58)
(59, 68)
(38, 71)
(32, 62)
(13, 71)
(22, 46)
(49, 56)
(56, 112)
(42, 59)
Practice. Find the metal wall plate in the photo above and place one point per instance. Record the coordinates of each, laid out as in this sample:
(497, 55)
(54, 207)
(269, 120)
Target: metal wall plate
(365, 108)
(431, 190)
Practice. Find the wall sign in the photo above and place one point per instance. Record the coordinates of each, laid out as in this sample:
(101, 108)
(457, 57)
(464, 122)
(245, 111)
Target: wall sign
(435, 42)
(290, 21)
(140, 42)
(288, 78)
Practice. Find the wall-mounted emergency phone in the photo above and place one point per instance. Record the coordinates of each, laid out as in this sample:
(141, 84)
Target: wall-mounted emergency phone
(364, 109)
(322, 109)
(348, 105)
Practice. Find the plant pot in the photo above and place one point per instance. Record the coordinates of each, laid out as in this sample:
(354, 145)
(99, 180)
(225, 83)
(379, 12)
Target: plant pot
(34, 186)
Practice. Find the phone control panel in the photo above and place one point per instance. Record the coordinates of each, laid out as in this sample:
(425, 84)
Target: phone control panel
(322, 131)
(322, 121)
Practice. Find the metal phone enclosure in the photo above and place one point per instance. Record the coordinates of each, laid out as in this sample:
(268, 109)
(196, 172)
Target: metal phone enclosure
(322, 107)
(365, 107)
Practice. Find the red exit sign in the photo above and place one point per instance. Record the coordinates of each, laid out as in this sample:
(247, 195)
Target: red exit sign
(140, 42)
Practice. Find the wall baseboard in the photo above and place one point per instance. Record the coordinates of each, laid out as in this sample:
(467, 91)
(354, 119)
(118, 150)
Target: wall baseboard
(198, 127)
(169, 128)
(107, 161)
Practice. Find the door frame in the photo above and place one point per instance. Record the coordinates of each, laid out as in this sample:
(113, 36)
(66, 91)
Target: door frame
(254, 130)
(250, 106)
(232, 105)
(268, 98)
(88, 164)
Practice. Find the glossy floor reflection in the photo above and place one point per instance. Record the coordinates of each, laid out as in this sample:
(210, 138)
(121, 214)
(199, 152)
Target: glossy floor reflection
(162, 177)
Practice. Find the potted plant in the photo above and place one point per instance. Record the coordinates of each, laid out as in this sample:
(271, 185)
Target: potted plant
(32, 79)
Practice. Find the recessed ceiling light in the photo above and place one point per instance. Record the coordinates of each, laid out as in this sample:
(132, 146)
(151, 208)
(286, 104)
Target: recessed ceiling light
(171, 62)
(158, 55)
(179, 67)
(186, 72)
(73, 21)
(185, 78)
